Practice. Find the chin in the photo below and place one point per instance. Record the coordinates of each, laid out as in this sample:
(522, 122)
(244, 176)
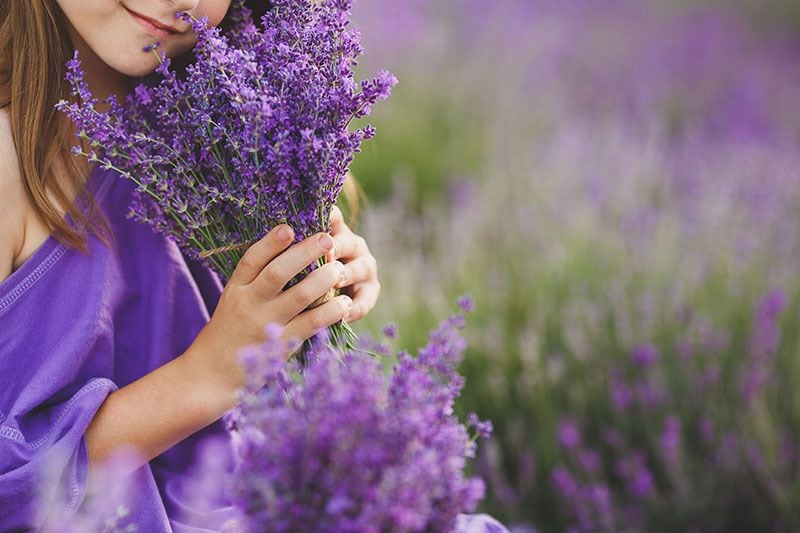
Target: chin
(136, 68)
(140, 63)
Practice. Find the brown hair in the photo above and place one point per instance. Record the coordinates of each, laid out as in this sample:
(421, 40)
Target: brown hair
(34, 48)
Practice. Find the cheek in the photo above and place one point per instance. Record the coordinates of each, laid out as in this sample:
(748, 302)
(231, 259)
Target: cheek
(215, 10)
(83, 14)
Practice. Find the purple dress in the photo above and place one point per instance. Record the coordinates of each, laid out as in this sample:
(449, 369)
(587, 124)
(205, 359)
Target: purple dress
(74, 328)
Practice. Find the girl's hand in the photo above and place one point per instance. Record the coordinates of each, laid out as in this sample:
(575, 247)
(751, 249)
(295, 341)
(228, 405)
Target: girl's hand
(361, 269)
(196, 388)
(254, 297)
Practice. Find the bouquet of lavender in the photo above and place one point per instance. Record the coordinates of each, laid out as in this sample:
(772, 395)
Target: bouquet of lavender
(343, 448)
(255, 134)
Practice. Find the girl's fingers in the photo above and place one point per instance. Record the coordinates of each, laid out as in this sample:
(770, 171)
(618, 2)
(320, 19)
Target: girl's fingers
(261, 253)
(338, 230)
(293, 300)
(337, 220)
(313, 321)
(348, 244)
(359, 270)
(365, 296)
(271, 280)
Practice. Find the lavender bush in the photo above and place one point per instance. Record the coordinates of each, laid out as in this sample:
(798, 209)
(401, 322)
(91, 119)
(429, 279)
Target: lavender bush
(630, 234)
(106, 507)
(255, 134)
(346, 449)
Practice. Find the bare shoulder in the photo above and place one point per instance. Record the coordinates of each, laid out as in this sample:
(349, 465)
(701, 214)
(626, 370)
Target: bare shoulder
(12, 199)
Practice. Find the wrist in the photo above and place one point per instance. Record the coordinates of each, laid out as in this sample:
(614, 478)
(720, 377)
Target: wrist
(215, 384)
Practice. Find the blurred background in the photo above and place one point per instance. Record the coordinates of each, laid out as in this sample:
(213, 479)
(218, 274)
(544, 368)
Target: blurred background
(617, 183)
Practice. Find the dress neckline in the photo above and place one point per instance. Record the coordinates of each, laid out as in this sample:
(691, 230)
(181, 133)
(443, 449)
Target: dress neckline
(50, 251)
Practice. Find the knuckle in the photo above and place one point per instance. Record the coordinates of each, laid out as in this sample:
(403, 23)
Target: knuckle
(356, 312)
(296, 332)
(248, 261)
(272, 276)
(360, 270)
(332, 274)
(312, 249)
(317, 320)
(372, 265)
(302, 294)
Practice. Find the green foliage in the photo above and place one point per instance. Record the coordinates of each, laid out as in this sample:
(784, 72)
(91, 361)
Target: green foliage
(425, 136)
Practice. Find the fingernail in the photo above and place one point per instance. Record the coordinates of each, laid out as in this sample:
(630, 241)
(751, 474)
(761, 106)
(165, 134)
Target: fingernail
(325, 242)
(342, 270)
(348, 305)
(284, 233)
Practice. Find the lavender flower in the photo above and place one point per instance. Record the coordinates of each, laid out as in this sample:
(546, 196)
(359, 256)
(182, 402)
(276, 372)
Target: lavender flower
(466, 303)
(645, 355)
(670, 440)
(483, 428)
(637, 476)
(345, 449)
(257, 134)
(569, 434)
(763, 344)
(390, 330)
(108, 505)
(621, 395)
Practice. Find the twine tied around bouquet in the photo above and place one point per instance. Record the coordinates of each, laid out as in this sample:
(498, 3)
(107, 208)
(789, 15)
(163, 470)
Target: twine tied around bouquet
(227, 248)
(328, 296)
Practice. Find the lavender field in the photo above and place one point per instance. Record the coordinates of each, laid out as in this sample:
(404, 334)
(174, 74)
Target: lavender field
(617, 184)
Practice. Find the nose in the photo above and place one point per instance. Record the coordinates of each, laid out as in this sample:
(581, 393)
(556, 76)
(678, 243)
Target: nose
(183, 5)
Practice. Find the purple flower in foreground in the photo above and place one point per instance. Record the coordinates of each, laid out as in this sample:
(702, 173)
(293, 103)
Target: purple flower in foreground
(483, 428)
(390, 330)
(466, 303)
(346, 449)
(107, 506)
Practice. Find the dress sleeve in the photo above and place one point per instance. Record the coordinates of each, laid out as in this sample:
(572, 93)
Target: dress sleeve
(43, 458)
(479, 523)
(189, 475)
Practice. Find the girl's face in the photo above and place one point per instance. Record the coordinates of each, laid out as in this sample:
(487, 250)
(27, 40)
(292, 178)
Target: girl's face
(118, 30)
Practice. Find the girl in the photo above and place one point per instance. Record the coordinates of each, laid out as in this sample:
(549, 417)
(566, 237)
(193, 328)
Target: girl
(109, 337)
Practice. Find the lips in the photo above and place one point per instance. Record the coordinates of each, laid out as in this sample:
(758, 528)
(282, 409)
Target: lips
(152, 26)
